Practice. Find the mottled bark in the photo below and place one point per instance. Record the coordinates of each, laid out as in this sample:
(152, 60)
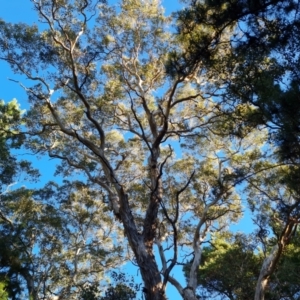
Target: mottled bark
(153, 287)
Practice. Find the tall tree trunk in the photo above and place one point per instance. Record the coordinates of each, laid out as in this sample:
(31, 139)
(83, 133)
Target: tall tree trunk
(153, 289)
(143, 251)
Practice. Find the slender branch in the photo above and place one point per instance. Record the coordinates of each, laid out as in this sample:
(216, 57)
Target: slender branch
(173, 224)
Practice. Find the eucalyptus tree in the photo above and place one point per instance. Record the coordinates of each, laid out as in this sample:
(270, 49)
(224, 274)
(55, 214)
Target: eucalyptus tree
(112, 99)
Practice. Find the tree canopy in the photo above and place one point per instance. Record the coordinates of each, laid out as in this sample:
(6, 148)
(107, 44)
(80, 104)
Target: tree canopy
(166, 128)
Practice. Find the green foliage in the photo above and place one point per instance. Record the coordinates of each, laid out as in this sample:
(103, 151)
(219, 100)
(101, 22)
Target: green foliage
(3, 292)
(122, 288)
(10, 116)
(229, 268)
(40, 229)
(40, 233)
(120, 291)
(231, 265)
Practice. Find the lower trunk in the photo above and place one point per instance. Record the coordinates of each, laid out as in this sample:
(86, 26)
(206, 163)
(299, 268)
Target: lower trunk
(265, 273)
(261, 289)
(272, 259)
(153, 285)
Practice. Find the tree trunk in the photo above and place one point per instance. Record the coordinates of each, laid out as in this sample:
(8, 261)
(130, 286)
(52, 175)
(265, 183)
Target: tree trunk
(272, 259)
(30, 284)
(189, 294)
(265, 274)
(153, 286)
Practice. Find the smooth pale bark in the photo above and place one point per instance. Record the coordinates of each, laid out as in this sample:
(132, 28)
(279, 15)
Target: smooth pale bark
(272, 259)
(265, 273)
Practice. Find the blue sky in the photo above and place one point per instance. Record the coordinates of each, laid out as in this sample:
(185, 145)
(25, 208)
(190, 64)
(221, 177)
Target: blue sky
(21, 11)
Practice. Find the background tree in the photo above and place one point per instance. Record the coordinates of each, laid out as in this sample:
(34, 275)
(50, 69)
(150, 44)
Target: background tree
(261, 68)
(47, 235)
(231, 265)
(49, 248)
